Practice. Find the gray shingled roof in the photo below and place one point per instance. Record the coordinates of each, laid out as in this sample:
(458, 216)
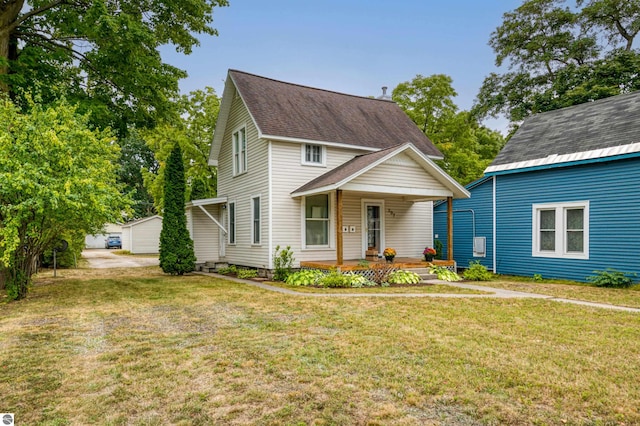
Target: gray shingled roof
(294, 111)
(595, 125)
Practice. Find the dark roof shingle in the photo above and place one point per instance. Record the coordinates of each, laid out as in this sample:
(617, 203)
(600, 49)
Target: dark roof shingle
(605, 123)
(294, 111)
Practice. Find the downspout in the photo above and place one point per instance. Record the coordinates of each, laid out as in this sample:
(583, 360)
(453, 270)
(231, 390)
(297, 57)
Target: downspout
(270, 205)
(495, 238)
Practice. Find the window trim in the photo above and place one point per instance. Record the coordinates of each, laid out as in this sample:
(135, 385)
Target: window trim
(561, 230)
(242, 166)
(329, 244)
(232, 217)
(255, 242)
(303, 155)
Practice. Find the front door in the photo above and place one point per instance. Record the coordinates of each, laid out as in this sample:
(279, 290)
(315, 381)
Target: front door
(373, 226)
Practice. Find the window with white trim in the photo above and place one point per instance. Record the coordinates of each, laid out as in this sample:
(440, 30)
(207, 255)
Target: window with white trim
(255, 220)
(232, 223)
(561, 230)
(240, 151)
(313, 155)
(316, 221)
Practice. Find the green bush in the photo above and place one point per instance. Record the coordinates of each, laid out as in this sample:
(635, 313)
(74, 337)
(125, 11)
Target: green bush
(282, 263)
(403, 277)
(437, 244)
(477, 272)
(358, 281)
(612, 278)
(305, 277)
(334, 279)
(230, 270)
(444, 274)
(247, 273)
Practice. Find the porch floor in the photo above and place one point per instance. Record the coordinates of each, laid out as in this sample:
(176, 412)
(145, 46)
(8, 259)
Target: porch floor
(399, 262)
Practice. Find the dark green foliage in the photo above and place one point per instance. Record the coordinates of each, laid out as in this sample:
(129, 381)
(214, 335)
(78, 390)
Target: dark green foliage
(477, 272)
(439, 247)
(176, 247)
(69, 257)
(334, 280)
(282, 263)
(135, 155)
(612, 278)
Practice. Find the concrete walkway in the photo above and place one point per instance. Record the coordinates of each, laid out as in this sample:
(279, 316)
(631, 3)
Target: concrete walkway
(494, 293)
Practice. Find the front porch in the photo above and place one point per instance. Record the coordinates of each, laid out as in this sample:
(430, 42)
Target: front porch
(358, 264)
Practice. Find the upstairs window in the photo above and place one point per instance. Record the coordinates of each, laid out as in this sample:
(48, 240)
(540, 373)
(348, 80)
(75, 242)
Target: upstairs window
(561, 230)
(240, 151)
(313, 155)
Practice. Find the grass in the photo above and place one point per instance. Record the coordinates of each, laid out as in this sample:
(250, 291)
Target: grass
(572, 290)
(134, 346)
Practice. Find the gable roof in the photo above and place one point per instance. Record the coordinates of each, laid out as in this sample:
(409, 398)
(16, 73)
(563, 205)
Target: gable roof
(139, 221)
(603, 128)
(287, 111)
(345, 173)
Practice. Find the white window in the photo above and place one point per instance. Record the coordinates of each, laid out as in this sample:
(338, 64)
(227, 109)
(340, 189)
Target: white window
(240, 151)
(232, 223)
(561, 230)
(317, 221)
(255, 220)
(313, 155)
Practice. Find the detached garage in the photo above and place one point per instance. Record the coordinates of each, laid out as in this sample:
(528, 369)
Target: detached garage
(143, 235)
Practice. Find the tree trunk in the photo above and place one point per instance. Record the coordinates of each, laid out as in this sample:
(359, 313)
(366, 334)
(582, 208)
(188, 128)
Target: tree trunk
(9, 11)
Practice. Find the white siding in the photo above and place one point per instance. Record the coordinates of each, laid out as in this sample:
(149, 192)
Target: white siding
(126, 238)
(205, 233)
(243, 187)
(288, 175)
(388, 173)
(145, 236)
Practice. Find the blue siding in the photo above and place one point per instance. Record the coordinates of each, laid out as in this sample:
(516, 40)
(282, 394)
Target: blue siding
(613, 190)
(481, 204)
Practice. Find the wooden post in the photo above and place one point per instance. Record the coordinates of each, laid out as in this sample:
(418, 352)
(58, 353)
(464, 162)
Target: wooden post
(449, 228)
(339, 254)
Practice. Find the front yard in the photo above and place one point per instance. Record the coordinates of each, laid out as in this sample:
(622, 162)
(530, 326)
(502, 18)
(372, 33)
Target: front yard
(138, 347)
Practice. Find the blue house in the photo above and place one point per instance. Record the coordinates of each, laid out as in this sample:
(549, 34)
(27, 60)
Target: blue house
(563, 195)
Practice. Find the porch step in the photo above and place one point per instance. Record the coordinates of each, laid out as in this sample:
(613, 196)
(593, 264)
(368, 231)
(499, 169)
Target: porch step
(424, 273)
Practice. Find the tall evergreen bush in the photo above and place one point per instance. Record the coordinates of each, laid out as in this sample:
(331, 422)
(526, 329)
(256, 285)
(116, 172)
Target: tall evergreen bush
(176, 246)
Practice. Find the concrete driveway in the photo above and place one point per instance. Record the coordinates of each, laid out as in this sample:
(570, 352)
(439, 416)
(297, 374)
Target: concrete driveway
(104, 258)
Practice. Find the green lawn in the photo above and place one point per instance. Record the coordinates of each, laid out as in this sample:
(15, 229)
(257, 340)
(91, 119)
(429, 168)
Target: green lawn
(138, 347)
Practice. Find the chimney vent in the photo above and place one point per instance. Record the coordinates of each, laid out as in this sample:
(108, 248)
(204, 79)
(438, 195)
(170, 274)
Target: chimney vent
(384, 95)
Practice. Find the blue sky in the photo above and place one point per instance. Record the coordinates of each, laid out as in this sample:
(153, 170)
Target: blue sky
(350, 46)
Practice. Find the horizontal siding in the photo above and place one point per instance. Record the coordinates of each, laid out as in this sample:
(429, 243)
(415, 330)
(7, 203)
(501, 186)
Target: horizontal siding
(288, 174)
(387, 173)
(126, 238)
(408, 226)
(204, 233)
(613, 190)
(145, 236)
(243, 187)
(479, 205)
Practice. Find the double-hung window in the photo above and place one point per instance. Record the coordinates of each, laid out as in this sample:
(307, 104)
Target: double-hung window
(232, 223)
(317, 221)
(255, 220)
(240, 151)
(561, 230)
(313, 155)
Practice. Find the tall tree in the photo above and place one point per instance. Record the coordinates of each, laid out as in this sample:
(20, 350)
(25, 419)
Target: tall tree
(135, 157)
(101, 52)
(56, 174)
(193, 131)
(467, 146)
(561, 53)
(176, 247)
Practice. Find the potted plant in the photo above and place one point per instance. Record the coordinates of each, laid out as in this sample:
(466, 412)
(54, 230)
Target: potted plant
(389, 254)
(429, 253)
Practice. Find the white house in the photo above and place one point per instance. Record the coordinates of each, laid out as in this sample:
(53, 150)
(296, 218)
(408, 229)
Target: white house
(99, 240)
(332, 175)
(142, 236)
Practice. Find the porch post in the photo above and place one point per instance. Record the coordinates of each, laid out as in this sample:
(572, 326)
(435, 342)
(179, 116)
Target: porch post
(449, 228)
(339, 254)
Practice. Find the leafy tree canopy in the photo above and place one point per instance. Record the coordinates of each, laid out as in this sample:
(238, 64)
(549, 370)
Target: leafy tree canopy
(467, 146)
(56, 174)
(560, 53)
(100, 52)
(193, 132)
